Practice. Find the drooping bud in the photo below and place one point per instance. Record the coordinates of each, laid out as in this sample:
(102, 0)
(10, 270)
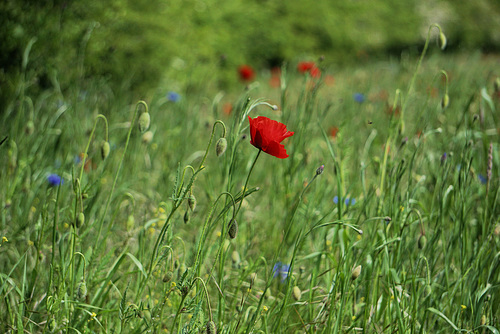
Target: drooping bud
(105, 150)
(211, 328)
(356, 272)
(442, 40)
(296, 293)
(192, 202)
(496, 85)
(233, 228)
(147, 137)
(81, 290)
(445, 101)
(80, 219)
(168, 277)
(221, 146)
(422, 241)
(187, 217)
(30, 127)
(144, 121)
(235, 258)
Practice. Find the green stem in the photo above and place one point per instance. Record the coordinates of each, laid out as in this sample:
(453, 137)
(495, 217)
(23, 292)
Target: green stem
(211, 138)
(101, 222)
(246, 182)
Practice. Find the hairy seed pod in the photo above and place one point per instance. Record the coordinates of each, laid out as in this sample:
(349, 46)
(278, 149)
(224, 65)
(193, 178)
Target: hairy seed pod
(192, 202)
(81, 290)
(233, 228)
(105, 150)
(144, 121)
(221, 146)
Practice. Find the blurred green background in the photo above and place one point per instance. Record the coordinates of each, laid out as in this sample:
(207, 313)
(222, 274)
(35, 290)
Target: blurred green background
(135, 45)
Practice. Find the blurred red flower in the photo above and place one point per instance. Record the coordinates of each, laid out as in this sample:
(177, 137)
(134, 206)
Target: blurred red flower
(333, 131)
(246, 73)
(227, 108)
(267, 135)
(309, 67)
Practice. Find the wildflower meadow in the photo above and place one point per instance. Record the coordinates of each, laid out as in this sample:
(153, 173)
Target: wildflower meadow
(304, 198)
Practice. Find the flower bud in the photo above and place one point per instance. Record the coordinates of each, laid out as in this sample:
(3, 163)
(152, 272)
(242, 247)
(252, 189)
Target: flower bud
(483, 320)
(445, 101)
(496, 85)
(442, 41)
(235, 257)
(104, 150)
(320, 170)
(144, 121)
(296, 293)
(187, 217)
(81, 290)
(192, 202)
(80, 219)
(221, 146)
(168, 277)
(211, 328)
(147, 137)
(233, 228)
(422, 241)
(30, 128)
(356, 272)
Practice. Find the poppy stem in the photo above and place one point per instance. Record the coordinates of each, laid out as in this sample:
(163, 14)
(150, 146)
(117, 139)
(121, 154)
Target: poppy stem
(246, 183)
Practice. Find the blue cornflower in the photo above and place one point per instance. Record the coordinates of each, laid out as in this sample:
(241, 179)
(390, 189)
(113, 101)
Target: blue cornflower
(482, 178)
(358, 97)
(282, 270)
(348, 200)
(55, 180)
(444, 157)
(173, 96)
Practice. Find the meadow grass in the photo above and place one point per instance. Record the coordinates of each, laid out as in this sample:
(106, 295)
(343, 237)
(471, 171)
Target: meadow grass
(398, 232)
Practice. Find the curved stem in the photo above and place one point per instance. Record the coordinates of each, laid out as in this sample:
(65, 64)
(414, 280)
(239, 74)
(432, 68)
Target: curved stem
(211, 138)
(206, 294)
(101, 222)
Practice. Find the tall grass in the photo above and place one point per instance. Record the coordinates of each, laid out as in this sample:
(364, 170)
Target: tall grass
(398, 233)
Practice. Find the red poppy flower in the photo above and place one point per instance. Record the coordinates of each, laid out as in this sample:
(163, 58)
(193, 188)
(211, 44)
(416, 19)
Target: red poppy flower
(267, 135)
(246, 73)
(309, 67)
(305, 66)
